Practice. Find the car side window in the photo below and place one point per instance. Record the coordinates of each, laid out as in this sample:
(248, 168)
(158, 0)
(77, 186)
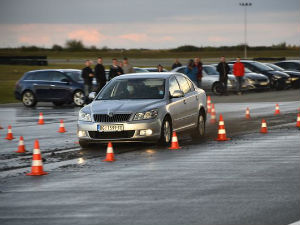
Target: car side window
(192, 87)
(184, 85)
(56, 76)
(42, 75)
(173, 85)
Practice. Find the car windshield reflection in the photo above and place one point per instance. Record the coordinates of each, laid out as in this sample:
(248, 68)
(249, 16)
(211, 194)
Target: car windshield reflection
(143, 88)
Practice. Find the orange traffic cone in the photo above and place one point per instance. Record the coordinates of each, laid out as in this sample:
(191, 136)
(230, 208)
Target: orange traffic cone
(9, 135)
(41, 119)
(21, 148)
(174, 143)
(213, 114)
(263, 128)
(277, 111)
(37, 163)
(298, 121)
(110, 156)
(61, 127)
(247, 113)
(208, 103)
(222, 130)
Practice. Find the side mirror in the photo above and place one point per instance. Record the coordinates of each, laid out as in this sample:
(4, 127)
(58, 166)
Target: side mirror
(65, 80)
(177, 94)
(92, 95)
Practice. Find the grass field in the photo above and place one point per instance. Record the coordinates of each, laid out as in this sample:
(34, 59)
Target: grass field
(9, 74)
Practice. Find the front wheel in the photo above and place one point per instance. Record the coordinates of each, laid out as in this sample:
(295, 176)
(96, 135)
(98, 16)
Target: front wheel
(199, 132)
(166, 132)
(29, 99)
(217, 88)
(79, 98)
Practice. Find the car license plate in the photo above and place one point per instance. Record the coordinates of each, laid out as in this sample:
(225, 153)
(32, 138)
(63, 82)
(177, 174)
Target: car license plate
(110, 128)
(288, 82)
(263, 83)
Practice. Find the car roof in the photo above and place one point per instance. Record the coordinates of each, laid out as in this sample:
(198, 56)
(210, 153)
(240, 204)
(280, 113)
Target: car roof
(51, 70)
(163, 75)
(291, 60)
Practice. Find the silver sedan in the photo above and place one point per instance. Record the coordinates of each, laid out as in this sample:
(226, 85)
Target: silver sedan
(143, 107)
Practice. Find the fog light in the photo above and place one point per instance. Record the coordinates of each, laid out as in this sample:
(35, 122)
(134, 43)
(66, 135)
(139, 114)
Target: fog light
(147, 132)
(81, 133)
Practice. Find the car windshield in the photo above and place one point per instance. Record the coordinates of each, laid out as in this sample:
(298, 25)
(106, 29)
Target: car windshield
(274, 67)
(210, 70)
(137, 88)
(75, 75)
(261, 66)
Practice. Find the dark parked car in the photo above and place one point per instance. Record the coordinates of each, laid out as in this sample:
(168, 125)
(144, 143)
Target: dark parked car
(293, 74)
(59, 86)
(293, 65)
(278, 80)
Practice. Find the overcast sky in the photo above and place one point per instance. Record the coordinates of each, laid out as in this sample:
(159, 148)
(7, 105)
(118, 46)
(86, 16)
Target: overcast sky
(147, 23)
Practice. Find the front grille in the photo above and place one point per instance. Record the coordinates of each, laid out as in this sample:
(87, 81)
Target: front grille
(111, 119)
(111, 135)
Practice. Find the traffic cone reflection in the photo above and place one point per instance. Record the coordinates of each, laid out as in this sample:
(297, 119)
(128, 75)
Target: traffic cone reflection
(61, 127)
(41, 119)
(21, 148)
(110, 156)
(213, 114)
(174, 143)
(298, 121)
(37, 163)
(208, 103)
(263, 128)
(277, 110)
(222, 130)
(247, 113)
(9, 135)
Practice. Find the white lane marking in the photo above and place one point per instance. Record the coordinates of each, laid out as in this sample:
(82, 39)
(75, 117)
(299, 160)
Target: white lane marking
(295, 223)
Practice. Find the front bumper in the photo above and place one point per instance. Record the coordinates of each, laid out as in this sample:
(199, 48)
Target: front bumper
(134, 131)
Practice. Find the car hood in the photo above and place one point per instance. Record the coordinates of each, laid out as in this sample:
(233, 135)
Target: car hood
(255, 76)
(278, 73)
(292, 73)
(124, 106)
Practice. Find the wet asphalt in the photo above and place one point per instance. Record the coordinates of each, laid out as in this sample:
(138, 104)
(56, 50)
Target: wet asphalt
(251, 179)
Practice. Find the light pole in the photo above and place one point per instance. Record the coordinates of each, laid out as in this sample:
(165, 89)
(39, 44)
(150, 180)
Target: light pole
(245, 5)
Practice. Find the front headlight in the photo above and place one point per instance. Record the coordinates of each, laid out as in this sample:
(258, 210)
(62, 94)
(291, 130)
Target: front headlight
(151, 114)
(84, 116)
(294, 78)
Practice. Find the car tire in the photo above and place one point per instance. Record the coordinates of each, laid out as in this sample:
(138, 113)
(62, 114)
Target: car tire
(78, 98)
(29, 99)
(58, 103)
(199, 131)
(166, 132)
(83, 144)
(217, 88)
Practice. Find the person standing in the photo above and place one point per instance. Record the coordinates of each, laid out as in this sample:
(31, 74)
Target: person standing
(192, 71)
(239, 72)
(100, 74)
(127, 67)
(223, 70)
(198, 64)
(115, 69)
(176, 64)
(160, 68)
(87, 76)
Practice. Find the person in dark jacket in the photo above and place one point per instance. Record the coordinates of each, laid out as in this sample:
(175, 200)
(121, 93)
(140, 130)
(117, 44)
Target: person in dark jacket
(115, 69)
(223, 70)
(191, 71)
(198, 64)
(160, 68)
(87, 76)
(100, 74)
(176, 64)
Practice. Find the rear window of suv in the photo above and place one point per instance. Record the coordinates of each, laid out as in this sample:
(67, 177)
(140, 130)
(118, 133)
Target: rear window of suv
(38, 76)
